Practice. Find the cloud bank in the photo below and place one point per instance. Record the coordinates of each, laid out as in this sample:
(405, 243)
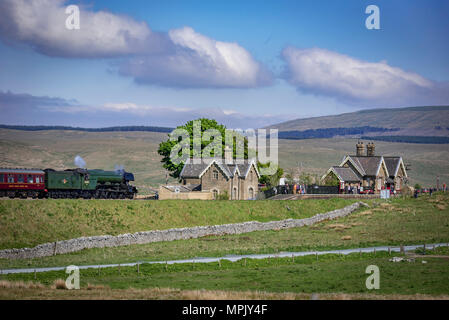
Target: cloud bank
(179, 58)
(41, 25)
(184, 58)
(198, 61)
(354, 81)
(28, 109)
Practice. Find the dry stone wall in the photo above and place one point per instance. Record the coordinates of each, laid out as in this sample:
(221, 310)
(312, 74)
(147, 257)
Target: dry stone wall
(72, 245)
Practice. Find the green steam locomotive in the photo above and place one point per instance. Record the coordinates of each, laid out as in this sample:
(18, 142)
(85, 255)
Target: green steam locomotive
(71, 183)
(82, 183)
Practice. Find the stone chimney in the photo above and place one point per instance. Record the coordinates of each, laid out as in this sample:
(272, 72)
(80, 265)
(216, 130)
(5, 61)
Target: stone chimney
(228, 155)
(370, 149)
(360, 149)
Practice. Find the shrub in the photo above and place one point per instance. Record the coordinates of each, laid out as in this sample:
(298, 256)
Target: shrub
(223, 196)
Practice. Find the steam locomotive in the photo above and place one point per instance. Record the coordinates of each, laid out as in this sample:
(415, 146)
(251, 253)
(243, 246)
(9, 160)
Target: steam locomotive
(67, 184)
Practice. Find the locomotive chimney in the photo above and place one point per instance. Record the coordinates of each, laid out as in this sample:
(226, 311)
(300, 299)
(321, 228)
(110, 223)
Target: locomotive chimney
(360, 149)
(370, 149)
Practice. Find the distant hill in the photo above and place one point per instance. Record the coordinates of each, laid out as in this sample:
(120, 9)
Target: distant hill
(107, 129)
(411, 121)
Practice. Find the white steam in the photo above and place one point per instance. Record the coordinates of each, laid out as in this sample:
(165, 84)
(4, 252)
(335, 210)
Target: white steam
(79, 162)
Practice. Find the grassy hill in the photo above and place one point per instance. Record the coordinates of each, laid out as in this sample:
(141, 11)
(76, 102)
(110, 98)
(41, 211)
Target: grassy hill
(413, 121)
(137, 151)
(29, 223)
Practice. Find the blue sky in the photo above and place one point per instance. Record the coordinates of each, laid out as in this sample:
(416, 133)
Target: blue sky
(246, 63)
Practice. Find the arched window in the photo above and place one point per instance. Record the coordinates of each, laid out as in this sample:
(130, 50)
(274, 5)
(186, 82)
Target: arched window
(215, 173)
(215, 193)
(251, 193)
(234, 193)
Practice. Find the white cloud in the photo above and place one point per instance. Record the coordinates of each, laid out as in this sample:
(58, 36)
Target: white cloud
(179, 58)
(41, 24)
(325, 72)
(198, 61)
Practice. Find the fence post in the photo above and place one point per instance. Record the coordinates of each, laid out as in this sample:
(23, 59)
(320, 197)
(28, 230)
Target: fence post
(138, 268)
(35, 276)
(119, 268)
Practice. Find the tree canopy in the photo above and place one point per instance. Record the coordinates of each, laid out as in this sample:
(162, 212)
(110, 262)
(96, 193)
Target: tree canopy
(165, 147)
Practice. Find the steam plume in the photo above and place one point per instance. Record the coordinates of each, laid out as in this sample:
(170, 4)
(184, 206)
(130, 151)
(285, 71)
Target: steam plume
(79, 162)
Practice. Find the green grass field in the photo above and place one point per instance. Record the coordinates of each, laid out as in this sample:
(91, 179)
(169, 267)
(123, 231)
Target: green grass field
(28, 223)
(400, 221)
(327, 274)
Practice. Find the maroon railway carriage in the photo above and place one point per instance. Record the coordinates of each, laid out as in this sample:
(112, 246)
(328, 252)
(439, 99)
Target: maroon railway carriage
(22, 183)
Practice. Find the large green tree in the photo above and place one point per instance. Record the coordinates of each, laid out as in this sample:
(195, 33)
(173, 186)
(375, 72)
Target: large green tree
(165, 147)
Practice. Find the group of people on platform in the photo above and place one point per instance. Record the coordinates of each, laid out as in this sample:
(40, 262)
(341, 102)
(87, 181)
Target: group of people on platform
(350, 189)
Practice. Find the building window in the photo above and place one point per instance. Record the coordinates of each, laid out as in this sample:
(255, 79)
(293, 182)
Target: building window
(251, 193)
(234, 193)
(215, 173)
(215, 193)
(10, 178)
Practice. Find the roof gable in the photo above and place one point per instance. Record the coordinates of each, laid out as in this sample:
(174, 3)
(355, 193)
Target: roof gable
(393, 164)
(197, 170)
(354, 161)
(344, 174)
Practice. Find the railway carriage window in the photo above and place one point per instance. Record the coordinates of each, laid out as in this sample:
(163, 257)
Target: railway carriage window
(29, 178)
(1, 178)
(10, 178)
(37, 179)
(20, 178)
